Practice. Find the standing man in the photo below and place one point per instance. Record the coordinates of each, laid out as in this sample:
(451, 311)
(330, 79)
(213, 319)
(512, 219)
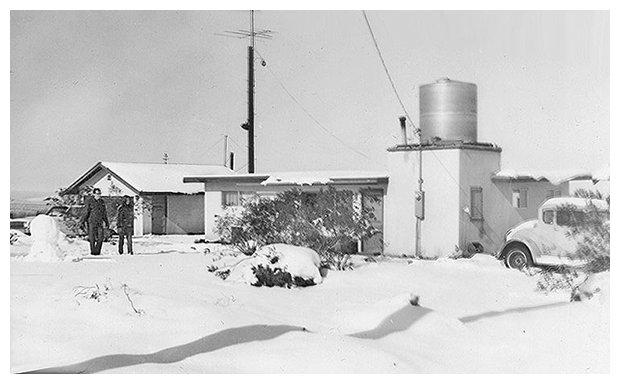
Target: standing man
(124, 224)
(96, 217)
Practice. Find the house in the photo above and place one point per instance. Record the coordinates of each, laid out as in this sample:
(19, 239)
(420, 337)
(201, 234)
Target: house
(172, 207)
(370, 188)
(445, 193)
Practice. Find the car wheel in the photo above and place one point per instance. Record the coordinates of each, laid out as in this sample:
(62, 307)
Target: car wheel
(518, 257)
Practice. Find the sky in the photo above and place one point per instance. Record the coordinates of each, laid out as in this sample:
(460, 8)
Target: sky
(129, 86)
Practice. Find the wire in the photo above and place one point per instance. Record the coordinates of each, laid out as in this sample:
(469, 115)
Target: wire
(213, 146)
(313, 118)
(417, 131)
(387, 72)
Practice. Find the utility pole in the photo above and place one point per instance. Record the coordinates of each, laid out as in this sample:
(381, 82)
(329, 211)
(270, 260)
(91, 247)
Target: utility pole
(249, 124)
(251, 97)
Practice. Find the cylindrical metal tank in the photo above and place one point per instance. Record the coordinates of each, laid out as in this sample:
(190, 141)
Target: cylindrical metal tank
(449, 111)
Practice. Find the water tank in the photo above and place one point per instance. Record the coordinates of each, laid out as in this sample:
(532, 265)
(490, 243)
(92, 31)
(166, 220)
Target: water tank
(449, 111)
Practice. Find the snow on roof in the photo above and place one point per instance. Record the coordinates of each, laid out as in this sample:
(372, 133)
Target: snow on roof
(297, 178)
(319, 177)
(576, 201)
(554, 177)
(150, 177)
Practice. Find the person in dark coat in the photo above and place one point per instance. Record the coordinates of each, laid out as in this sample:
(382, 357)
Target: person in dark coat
(97, 220)
(124, 224)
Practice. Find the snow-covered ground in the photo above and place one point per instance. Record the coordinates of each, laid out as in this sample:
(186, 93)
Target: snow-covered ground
(161, 311)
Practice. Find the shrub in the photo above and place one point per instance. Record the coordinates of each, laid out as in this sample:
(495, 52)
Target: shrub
(276, 277)
(337, 261)
(328, 221)
(591, 229)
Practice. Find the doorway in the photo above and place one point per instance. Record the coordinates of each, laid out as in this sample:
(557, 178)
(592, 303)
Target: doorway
(159, 214)
(372, 199)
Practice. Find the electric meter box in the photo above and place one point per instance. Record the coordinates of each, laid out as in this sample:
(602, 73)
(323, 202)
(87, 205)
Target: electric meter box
(419, 204)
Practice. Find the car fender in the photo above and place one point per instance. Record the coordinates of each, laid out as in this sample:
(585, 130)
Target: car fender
(531, 246)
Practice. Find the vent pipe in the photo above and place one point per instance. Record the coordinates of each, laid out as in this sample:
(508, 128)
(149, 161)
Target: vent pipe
(403, 130)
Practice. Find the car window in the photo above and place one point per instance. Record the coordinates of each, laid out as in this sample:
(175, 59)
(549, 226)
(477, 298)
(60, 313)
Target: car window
(567, 218)
(548, 217)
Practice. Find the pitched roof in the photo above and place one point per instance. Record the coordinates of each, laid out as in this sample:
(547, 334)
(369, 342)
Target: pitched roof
(151, 177)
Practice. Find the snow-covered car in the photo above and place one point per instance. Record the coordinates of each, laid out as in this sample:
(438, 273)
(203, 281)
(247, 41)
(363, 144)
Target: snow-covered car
(69, 228)
(545, 241)
(22, 225)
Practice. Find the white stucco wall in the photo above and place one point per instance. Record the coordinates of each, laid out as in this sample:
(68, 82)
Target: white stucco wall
(399, 226)
(213, 209)
(440, 227)
(477, 168)
(112, 187)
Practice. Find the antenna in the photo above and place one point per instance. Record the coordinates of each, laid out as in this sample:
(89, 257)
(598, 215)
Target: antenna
(253, 35)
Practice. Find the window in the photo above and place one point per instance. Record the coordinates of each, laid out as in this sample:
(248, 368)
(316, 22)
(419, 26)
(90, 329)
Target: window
(548, 217)
(519, 198)
(568, 218)
(230, 198)
(475, 194)
(236, 198)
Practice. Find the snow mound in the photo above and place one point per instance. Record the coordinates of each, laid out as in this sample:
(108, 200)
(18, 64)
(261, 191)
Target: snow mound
(595, 285)
(298, 261)
(399, 315)
(20, 238)
(46, 238)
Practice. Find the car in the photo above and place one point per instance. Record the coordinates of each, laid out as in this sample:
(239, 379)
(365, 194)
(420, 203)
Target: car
(22, 225)
(546, 241)
(68, 218)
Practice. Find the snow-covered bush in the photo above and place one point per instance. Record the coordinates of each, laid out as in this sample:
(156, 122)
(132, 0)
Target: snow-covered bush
(327, 221)
(279, 265)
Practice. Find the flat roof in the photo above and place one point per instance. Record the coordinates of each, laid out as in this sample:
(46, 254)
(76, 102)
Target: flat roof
(297, 178)
(445, 144)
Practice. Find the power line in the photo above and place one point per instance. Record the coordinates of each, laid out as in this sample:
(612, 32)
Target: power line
(314, 119)
(418, 132)
(387, 72)
(213, 146)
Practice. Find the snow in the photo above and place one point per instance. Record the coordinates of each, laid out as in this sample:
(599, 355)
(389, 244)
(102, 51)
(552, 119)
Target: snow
(148, 177)
(319, 177)
(46, 237)
(554, 177)
(161, 311)
(298, 261)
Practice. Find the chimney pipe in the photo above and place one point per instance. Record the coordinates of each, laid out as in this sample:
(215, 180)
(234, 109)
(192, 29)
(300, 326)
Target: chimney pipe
(232, 161)
(403, 129)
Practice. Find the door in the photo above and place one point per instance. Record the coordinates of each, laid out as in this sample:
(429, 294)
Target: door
(556, 244)
(159, 214)
(372, 200)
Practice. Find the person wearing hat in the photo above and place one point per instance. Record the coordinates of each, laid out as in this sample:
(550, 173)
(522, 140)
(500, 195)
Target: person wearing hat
(96, 217)
(124, 224)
